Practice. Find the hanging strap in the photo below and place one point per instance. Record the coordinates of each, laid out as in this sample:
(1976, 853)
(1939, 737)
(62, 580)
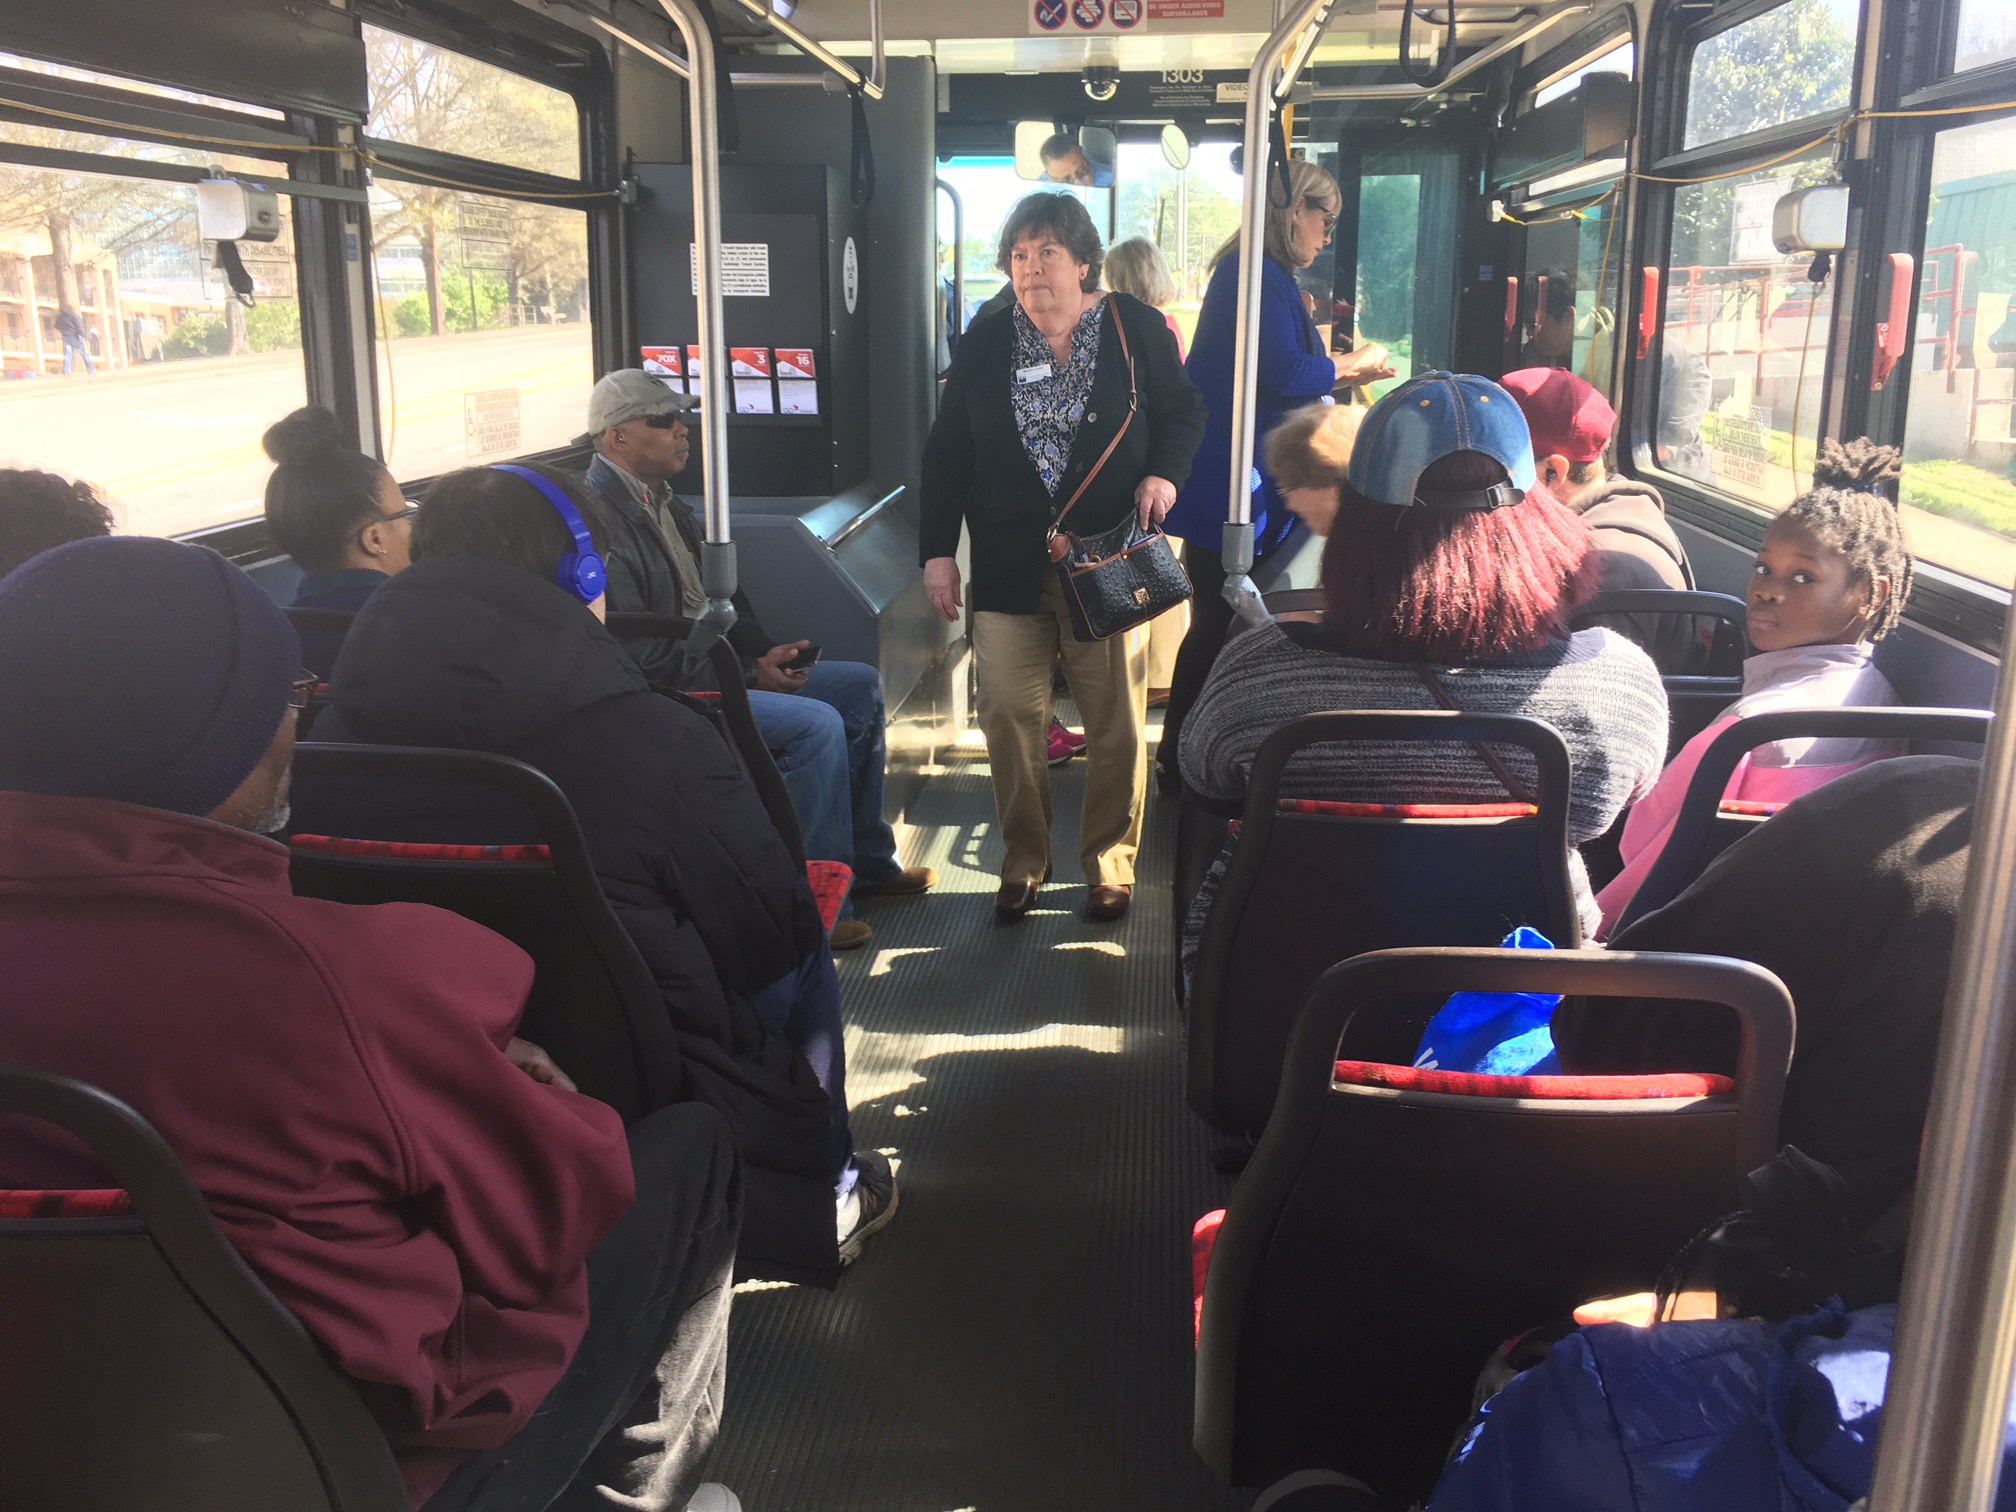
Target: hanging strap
(1518, 790)
(1133, 403)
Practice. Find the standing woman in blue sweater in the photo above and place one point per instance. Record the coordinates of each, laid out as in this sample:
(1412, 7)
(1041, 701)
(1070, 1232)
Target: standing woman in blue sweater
(1294, 370)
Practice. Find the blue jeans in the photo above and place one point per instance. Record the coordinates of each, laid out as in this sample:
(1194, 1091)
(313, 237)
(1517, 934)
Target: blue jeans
(829, 744)
(72, 351)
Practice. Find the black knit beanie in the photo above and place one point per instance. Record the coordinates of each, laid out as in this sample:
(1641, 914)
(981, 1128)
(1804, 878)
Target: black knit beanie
(141, 670)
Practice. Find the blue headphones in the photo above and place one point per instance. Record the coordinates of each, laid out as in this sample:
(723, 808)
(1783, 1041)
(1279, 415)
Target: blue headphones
(581, 572)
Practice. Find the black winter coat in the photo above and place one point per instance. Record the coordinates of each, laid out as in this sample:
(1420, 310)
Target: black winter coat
(481, 656)
(978, 474)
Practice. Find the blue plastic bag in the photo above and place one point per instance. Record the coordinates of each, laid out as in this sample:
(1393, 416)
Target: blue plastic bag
(1495, 1033)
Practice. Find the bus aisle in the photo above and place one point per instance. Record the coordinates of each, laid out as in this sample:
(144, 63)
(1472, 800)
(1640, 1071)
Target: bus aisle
(1020, 1340)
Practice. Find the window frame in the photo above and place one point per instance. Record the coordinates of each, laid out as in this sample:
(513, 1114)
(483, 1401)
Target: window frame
(1910, 69)
(1612, 29)
(590, 83)
(331, 205)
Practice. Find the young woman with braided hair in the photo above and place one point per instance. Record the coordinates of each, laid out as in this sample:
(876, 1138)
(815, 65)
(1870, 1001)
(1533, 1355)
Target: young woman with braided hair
(1831, 579)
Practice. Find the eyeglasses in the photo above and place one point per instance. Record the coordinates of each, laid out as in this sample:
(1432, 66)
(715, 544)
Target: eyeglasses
(1310, 202)
(302, 690)
(384, 519)
(665, 421)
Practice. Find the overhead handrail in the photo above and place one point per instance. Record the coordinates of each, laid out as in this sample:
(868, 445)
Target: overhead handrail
(872, 85)
(958, 312)
(1947, 1398)
(1309, 16)
(1511, 42)
(717, 550)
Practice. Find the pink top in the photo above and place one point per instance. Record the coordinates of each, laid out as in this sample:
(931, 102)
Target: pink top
(1803, 677)
(1177, 332)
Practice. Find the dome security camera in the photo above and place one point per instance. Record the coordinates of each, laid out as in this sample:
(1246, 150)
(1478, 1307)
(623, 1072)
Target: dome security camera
(1101, 80)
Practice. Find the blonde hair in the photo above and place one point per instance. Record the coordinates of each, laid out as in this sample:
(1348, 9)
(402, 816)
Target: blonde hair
(1136, 267)
(1312, 447)
(1305, 181)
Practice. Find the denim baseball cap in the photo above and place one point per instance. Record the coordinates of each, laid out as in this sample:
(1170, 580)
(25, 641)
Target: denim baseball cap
(1428, 418)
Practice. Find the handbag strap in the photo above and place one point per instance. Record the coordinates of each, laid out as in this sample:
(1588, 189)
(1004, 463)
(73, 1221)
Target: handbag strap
(1518, 790)
(1133, 404)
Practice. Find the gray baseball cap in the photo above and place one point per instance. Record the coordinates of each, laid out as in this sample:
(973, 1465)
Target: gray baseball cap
(632, 394)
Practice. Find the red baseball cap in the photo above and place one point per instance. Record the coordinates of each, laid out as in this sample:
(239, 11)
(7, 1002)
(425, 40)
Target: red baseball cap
(1568, 418)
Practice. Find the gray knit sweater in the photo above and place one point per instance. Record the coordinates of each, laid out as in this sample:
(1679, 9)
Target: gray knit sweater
(1600, 691)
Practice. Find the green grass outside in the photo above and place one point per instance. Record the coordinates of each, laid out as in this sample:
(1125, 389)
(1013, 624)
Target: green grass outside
(1961, 492)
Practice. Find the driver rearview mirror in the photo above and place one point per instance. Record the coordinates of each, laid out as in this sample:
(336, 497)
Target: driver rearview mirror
(1046, 153)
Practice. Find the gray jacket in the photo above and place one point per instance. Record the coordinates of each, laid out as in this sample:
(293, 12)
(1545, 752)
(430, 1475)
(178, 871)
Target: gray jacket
(643, 579)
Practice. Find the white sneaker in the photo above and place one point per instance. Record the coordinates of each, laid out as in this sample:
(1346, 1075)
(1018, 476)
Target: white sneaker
(713, 1497)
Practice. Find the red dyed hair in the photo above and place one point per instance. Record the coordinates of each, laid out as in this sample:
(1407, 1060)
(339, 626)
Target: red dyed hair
(1419, 584)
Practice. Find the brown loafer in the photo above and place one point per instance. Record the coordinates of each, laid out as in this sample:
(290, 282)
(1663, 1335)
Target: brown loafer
(1014, 900)
(1108, 901)
(850, 934)
(912, 879)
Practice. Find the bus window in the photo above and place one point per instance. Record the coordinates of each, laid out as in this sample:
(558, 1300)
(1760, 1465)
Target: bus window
(1580, 255)
(1959, 486)
(485, 348)
(1987, 34)
(1620, 59)
(124, 358)
(1189, 214)
(1745, 340)
(1389, 227)
(1791, 62)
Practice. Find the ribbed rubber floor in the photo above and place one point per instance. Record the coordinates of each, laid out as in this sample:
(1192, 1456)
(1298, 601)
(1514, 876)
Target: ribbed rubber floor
(1018, 1339)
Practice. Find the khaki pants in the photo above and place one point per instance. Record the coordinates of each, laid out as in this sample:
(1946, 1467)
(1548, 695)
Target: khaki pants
(1013, 655)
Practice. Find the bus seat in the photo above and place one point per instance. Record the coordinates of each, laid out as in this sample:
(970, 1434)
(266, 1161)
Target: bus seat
(1707, 824)
(731, 702)
(1693, 698)
(1394, 1227)
(494, 840)
(1308, 889)
(144, 1365)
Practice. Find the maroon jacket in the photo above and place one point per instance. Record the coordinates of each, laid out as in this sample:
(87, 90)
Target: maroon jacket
(333, 1078)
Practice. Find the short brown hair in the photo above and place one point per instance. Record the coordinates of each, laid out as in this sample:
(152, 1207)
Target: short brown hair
(1063, 216)
(1312, 447)
(40, 511)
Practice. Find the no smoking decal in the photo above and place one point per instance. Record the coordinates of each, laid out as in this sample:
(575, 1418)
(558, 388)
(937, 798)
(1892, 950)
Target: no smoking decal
(1088, 13)
(1050, 13)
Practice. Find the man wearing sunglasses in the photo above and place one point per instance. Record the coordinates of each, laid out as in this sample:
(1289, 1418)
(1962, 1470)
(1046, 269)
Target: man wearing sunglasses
(825, 721)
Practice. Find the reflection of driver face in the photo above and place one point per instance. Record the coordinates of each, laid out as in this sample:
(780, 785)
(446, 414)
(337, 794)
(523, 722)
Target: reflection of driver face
(1069, 167)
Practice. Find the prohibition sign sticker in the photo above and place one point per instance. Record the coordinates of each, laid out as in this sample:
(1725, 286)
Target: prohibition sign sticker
(1126, 14)
(1088, 13)
(1050, 13)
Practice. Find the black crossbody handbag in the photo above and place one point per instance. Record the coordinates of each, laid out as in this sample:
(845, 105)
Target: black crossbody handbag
(1121, 577)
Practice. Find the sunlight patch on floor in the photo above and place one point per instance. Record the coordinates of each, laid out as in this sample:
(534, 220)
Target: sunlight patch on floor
(882, 1065)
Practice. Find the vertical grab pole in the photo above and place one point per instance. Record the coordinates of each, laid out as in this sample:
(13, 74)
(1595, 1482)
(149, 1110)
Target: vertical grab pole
(1948, 1393)
(1260, 105)
(717, 551)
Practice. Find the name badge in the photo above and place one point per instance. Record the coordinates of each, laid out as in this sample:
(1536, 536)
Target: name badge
(1032, 374)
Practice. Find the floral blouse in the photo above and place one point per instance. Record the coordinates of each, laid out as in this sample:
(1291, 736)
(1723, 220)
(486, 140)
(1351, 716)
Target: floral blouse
(1049, 409)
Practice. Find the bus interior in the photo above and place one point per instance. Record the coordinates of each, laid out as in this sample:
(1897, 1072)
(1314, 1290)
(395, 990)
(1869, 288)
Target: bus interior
(790, 208)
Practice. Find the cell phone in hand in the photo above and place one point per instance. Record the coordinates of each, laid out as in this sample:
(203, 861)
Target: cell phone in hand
(802, 662)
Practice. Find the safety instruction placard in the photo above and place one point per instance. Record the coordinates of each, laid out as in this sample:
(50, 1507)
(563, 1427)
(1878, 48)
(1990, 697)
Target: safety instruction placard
(745, 270)
(490, 422)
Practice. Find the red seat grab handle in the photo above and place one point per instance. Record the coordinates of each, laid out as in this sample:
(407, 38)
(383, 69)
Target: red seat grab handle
(1511, 308)
(1648, 312)
(1894, 329)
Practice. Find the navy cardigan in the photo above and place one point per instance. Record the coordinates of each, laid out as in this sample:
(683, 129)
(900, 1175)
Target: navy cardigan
(1294, 370)
(977, 473)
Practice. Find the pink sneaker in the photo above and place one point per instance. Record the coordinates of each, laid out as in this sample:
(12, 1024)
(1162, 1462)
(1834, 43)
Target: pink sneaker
(1063, 744)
